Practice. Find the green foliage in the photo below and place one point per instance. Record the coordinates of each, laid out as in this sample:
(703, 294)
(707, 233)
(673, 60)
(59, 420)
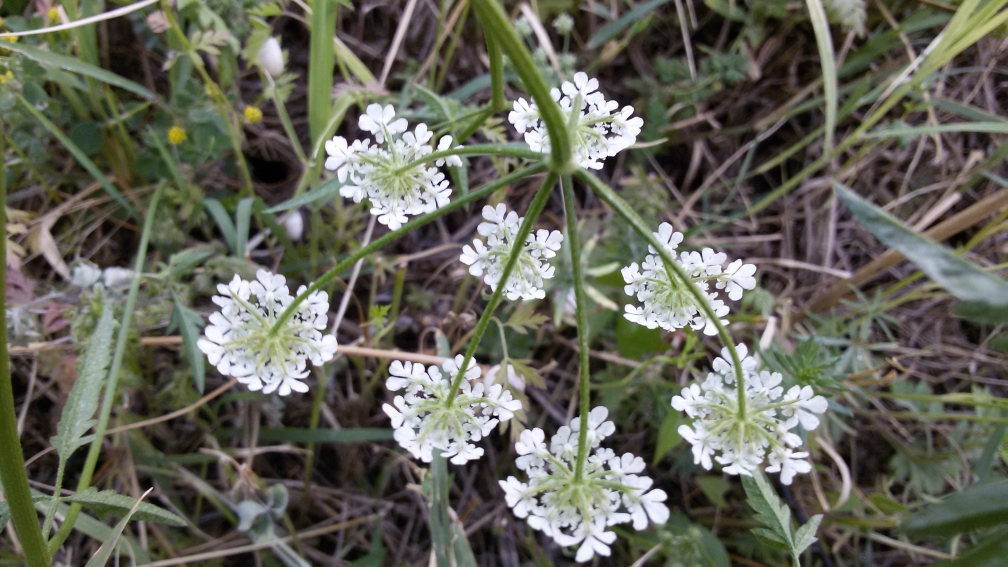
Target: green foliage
(775, 516)
(807, 366)
(110, 503)
(977, 507)
(189, 323)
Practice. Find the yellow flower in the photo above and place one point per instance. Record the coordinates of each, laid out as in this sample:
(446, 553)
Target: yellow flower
(11, 38)
(176, 135)
(53, 14)
(253, 114)
(6, 77)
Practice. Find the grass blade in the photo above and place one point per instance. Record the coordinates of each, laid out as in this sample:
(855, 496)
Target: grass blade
(75, 65)
(104, 553)
(324, 192)
(613, 29)
(110, 502)
(320, 66)
(243, 218)
(220, 215)
(824, 41)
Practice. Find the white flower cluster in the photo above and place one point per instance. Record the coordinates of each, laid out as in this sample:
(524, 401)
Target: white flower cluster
(424, 419)
(765, 429)
(599, 131)
(392, 173)
(667, 301)
(526, 279)
(239, 341)
(575, 510)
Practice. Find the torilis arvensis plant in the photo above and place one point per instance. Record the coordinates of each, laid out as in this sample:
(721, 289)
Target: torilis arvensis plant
(572, 488)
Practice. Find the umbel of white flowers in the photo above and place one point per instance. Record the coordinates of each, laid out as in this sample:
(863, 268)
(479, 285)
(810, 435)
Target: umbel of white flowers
(391, 174)
(240, 340)
(576, 511)
(765, 431)
(526, 281)
(425, 420)
(667, 301)
(598, 132)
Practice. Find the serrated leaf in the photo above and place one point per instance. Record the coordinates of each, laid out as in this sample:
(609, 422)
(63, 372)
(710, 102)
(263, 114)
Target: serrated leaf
(81, 404)
(104, 553)
(770, 511)
(189, 324)
(770, 539)
(984, 296)
(977, 507)
(183, 261)
(111, 503)
(75, 65)
(805, 535)
(524, 317)
(442, 109)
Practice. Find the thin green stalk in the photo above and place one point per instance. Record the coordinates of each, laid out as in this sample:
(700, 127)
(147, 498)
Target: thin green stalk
(321, 62)
(113, 377)
(412, 225)
(581, 301)
(288, 126)
(12, 466)
(515, 150)
(495, 21)
(531, 215)
(676, 272)
(215, 92)
(438, 511)
(497, 100)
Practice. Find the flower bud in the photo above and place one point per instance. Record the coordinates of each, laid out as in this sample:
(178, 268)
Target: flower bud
(294, 225)
(563, 24)
(270, 58)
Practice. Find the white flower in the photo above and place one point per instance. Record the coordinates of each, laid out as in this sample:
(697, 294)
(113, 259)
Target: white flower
(526, 280)
(667, 301)
(270, 58)
(241, 343)
(513, 379)
(294, 225)
(599, 131)
(573, 512)
(114, 277)
(425, 420)
(85, 274)
(764, 431)
(393, 174)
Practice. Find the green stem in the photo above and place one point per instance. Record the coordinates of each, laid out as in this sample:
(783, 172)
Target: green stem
(581, 300)
(676, 271)
(495, 21)
(113, 377)
(223, 106)
(497, 100)
(405, 229)
(439, 518)
(12, 468)
(531, 215)
(288, 126)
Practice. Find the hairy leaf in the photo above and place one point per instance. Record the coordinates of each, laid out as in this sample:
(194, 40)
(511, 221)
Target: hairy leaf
(111, 503)
(78, 413)
(104, 553)
(776, 516)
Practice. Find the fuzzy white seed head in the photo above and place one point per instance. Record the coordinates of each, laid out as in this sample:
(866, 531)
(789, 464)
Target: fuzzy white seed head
(578, 512)
(488, 258)
(392, 174)
(240, 340)
(270, 58)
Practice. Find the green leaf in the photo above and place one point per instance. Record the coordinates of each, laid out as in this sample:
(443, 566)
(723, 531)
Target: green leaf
(183, 261)
(776, 516)
(984, 296)
(243, 218)
(988, 552)
(104, 553)
(714, 488)
(220, 215)
(88, 136)
(189, 324)
(81, 404)
(978, 507)
(81, 157)
(326, 191)
(75, 65)
(668, 435)
(321, 62)
(635, 341)
(111, 503)
(376, 555)
(611, 30)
